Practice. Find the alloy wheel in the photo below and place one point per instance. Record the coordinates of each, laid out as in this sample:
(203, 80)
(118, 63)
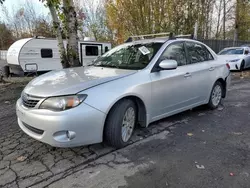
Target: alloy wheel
(216, 95)
(128, 124)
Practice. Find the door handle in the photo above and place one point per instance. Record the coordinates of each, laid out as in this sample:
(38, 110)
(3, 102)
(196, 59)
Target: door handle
(187, 75)
(211, 68)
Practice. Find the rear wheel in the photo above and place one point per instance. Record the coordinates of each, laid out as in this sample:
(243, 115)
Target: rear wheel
(216, 95)
(120, 123)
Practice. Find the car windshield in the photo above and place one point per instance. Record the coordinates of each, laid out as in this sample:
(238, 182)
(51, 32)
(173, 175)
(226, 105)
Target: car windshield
(233, 51)
(129, 56)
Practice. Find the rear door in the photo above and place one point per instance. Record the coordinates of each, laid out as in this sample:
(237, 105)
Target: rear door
(172, 90)
(201, 66)
(90, 52)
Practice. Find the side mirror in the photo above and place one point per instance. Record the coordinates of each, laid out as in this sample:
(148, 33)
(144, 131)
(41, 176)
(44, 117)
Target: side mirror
(246, 52)
(168, 64)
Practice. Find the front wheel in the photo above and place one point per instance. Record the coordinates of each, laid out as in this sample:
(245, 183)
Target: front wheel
(120, 123)
(216, 95)
(242, 65)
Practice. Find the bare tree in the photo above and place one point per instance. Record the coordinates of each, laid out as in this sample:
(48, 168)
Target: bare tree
(71, 25)
(95, 19)
(218, 8)
(6, 37)
(57, 27)
(63, 14)
(23, 21)
(64, 17)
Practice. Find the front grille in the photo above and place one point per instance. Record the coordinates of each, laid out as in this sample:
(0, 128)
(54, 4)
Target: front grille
(29, 101)
(33, 129)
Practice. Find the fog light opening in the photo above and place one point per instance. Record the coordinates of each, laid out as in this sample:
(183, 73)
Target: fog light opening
(70, 135)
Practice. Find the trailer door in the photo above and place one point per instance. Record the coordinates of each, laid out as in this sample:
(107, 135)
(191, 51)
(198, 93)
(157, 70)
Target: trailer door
(89, 52)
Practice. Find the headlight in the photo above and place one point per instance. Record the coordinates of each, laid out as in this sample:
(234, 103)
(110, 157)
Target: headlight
(62, 103)
(234, 60)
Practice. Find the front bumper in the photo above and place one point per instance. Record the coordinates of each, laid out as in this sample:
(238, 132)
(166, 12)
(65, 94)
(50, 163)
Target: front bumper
(83, 122)
(235, 65)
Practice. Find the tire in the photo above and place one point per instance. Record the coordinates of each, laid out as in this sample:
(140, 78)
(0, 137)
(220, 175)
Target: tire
(115, 123)
(6, 71)
(214, 102)
(242, 65)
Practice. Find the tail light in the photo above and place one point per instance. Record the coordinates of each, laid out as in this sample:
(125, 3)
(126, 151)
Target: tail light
(228, 66)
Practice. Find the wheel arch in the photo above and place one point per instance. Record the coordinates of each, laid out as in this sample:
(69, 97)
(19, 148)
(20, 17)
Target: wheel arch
(141, 107)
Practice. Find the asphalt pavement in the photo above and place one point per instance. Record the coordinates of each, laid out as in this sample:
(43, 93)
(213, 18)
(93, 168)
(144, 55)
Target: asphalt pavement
(208, 149)
(197, 148)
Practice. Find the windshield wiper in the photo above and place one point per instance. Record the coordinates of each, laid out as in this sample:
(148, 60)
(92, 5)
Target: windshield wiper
(109, 66)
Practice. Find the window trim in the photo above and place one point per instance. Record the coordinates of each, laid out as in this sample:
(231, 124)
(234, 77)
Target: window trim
(189, 59)
(46, 49)
(81, 49)
(95, 46)
(156, 65)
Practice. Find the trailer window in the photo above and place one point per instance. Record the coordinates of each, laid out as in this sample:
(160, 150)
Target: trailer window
(91, 50)
(106, 49)
(46, 53)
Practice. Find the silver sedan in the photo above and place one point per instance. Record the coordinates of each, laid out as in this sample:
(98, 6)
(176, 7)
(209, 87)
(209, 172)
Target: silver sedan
(133, 84)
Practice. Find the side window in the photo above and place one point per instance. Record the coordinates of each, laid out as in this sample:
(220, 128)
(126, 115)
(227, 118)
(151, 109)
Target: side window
(198, 53)
(91, 50)
(175, 51)
(46, 53)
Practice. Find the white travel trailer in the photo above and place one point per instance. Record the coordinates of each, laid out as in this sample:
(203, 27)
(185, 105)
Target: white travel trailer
(42, 54)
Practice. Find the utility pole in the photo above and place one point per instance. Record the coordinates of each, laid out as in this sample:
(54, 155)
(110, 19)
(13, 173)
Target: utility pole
(224, 19)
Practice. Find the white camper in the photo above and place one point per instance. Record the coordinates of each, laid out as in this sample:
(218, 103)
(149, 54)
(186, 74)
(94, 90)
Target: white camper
(42, 55)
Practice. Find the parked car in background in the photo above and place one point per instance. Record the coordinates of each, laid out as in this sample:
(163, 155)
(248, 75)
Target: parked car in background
(245, 45)
(138, 82)
(237, 57)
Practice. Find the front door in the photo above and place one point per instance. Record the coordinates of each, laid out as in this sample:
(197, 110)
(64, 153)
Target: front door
(172, 90)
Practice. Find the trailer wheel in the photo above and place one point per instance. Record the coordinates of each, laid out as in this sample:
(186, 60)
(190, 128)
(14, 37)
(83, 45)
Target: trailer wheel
(6, 71)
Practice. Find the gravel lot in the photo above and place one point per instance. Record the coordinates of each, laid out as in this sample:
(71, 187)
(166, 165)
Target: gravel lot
(219, 141)
(2, 63)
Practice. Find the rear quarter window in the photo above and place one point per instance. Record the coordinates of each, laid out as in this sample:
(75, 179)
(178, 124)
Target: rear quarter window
(198, 53)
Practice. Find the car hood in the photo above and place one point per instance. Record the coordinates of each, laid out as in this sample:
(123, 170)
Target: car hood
(73, 80)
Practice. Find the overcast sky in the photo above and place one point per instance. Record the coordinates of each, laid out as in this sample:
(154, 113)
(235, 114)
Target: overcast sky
(17, 4)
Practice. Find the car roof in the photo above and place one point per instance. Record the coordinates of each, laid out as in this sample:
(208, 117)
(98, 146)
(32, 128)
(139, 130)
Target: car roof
(242, 47)
(162, 40)
(245, 45)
